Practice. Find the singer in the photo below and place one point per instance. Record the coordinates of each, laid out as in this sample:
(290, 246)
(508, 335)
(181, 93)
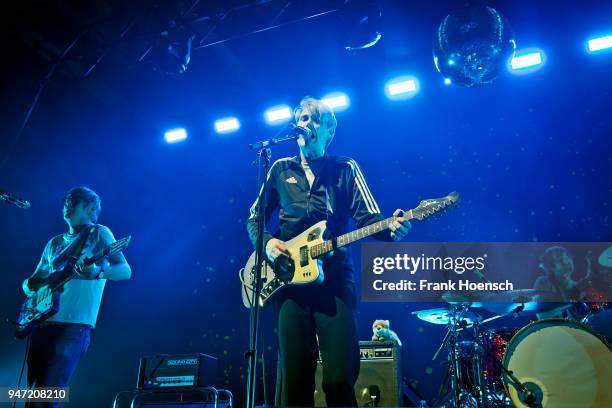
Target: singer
(306, 189)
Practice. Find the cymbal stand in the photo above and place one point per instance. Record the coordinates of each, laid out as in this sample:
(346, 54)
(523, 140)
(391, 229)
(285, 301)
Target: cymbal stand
(450, 341)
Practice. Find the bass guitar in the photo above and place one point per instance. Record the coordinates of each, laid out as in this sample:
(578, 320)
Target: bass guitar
(45, 302)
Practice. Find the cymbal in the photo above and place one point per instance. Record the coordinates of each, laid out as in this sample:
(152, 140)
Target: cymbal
(521, 300)
(527, 308)
(501, 303)
(605, 259)
(463, 297)
(478, 297)
(516, 296)
(444, 316)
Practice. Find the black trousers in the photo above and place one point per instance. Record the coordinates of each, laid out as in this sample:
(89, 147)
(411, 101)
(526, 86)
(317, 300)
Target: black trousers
(55, 351)
(330, 319)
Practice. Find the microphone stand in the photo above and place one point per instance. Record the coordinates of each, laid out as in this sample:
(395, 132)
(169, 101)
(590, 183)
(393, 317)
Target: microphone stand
(292, 132)
(271, 142)
(11, 199)
(263, 160)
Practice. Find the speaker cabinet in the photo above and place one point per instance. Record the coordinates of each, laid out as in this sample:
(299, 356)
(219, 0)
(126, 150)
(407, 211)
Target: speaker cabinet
(380, 377)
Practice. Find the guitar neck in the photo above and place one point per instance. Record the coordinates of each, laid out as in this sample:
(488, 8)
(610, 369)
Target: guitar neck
(110, 250)
(97, 258)
(350, 237)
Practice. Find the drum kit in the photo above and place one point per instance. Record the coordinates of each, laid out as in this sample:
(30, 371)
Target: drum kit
(551, 362)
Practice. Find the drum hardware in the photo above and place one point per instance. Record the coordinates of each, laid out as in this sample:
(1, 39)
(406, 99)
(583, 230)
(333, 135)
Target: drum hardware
(484, 389)
(543, 364)
(529, 393)
(457, 317)
(465, 358)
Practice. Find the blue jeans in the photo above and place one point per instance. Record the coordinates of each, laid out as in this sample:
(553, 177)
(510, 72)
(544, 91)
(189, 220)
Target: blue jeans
(55, 351)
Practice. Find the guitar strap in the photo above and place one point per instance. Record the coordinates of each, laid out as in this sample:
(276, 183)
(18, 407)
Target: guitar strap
(80, 245)
(328, 182)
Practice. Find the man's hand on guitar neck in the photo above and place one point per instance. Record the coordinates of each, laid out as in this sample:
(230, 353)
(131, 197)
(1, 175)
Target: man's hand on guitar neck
(400, 227)
(275, 247)
(92, 271)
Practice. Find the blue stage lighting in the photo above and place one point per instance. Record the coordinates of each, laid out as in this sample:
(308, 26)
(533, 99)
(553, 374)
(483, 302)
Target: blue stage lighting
(278, 114)
(527, 60)
(447, 81)
(227, 125)
(337, 101)
(175, 135)
(601, 43)
(402, 88)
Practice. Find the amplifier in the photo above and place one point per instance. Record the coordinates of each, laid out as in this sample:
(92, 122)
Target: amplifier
(380, 379)
(378, 350)
(178, 370)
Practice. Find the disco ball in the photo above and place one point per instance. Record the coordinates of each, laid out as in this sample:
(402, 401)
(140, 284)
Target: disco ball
(473, 45)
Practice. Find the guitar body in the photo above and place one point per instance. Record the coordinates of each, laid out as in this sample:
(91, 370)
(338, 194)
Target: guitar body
(45, 302)
(37, 308)
(306, 270)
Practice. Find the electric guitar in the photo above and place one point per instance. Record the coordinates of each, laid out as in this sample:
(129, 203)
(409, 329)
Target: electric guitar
(307, 249)
(45, 302)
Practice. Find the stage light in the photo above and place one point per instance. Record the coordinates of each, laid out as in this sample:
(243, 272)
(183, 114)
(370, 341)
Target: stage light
(601, 43)
(401, 88)
(336, 101)
(175, 135)
(278, 114)
(447, 81)
(527, 60)
(227, 125)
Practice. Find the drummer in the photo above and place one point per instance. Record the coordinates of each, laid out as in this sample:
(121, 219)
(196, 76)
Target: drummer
(557, 284)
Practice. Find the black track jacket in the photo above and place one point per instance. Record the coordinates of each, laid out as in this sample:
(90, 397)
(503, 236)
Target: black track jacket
(339, 191)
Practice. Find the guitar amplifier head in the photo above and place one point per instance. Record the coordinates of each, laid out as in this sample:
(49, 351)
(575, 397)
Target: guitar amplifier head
(176, 371)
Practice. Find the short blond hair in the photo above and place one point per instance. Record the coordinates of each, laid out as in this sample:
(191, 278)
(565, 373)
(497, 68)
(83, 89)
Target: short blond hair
(320, 112)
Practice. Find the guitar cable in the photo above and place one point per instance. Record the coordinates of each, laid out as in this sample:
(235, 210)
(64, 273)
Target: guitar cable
(25, 358)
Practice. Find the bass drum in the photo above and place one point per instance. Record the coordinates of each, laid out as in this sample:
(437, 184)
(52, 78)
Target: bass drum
(564, 363)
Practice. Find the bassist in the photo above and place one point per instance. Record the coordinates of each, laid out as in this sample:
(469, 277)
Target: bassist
(57, 344)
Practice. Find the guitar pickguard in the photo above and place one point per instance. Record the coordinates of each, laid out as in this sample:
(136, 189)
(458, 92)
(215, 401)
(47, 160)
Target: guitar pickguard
(314, 234)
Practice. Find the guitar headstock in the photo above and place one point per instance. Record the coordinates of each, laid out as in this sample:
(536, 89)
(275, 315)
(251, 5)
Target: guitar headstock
(434, 206)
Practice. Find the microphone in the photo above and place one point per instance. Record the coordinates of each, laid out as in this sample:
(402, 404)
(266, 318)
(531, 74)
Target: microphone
(291, 132)
(9, 198)
(298, 130)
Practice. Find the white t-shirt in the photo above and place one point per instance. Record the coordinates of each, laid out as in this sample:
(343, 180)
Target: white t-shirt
(80, 300)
